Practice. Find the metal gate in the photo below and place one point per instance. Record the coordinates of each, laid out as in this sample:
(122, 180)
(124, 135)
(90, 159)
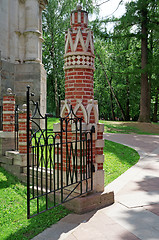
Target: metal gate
(59, 164)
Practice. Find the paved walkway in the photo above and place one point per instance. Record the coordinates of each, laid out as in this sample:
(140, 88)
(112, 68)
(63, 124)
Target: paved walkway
(135, 213)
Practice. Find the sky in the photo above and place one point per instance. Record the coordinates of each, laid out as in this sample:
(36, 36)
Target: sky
(108, 8)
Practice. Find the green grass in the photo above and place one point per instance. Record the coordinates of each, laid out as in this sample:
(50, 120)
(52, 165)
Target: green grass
(51, 121)
(13, 220)
(117, 159)
(115, 127)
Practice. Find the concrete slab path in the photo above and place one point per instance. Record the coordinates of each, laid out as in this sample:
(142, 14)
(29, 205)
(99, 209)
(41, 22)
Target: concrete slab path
(135, 213)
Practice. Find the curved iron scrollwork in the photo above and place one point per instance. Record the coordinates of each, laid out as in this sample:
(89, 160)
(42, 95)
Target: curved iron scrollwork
(59, 164)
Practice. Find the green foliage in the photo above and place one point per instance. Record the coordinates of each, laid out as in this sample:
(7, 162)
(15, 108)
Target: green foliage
(117, 160)
(14, 224)
(120, 52)
(117, 54)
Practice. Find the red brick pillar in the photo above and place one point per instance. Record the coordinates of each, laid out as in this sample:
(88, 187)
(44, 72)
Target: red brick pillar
(79, 59)
(8, 111)
(22, 130)
(79, 70)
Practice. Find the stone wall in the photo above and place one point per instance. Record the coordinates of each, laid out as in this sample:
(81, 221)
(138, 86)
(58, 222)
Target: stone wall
(21, 30)
(21, 49)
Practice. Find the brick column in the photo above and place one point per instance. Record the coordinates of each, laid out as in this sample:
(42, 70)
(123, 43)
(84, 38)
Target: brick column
(8, 111)
(79, 59)
(22, 130)
(79, 69)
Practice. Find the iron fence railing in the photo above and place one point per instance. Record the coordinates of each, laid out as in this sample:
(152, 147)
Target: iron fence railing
(59, 164)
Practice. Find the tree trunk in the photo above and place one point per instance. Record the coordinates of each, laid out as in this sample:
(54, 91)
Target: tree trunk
(127, 99)
(57, 99)
(111, 104)
(156, 106)
(145, 88)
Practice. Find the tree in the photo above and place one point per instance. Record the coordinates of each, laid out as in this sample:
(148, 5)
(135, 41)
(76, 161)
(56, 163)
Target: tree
(141, 14)
(145, 85)
(135, 55)
(118, 62)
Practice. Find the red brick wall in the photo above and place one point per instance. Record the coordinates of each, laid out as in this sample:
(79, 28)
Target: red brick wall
(8, 113)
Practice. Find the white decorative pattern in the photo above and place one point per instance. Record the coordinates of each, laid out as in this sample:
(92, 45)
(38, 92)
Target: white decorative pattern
(80, 60)
(92, 105)
(65, 107)
(79, 38)
(79, 17)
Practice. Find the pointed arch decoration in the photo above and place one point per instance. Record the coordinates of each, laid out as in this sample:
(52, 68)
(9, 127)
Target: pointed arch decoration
(80, 105)
(92, 104)
(65, 107)
(79, 38)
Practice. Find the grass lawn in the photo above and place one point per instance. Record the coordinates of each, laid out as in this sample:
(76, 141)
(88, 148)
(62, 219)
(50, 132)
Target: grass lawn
(130, 127)
(117, 159)
(14, 224)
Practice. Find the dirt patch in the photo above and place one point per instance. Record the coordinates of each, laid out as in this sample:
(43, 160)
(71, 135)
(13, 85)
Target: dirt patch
(145, 127)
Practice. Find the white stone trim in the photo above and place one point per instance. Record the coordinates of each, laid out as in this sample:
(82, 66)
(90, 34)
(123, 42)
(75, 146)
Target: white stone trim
(99, 158)
(98, 181)
(22, 120)
(10, 102)
(34, 31)
(22, 131)
(79, 66)
(66, 107)
(79, 38)
(73, 18)
(100, 127)
(78, 53)
(99, 143)
(56, 127)
(8, 123)
(79, 60)
(22, 143)
(79, 17)
(85, 18)
(8, 112)
(78, 106)
(6, 134)
(92, 104)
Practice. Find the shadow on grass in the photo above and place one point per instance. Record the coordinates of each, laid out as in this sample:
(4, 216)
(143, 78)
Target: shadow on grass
(13, 220)
(7, 180)
(66, 224)
(38, 224)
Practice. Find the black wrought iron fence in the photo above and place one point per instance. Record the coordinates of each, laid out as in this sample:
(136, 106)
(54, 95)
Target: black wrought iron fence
(59, 164)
